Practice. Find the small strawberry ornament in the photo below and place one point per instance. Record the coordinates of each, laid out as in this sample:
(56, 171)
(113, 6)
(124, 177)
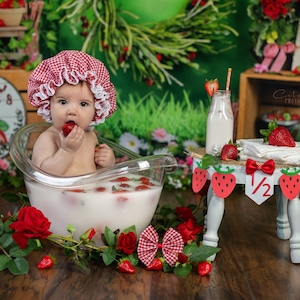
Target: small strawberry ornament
(211, 86)
(277, 135)
(229, 151)
(204, 268)
(46, 262)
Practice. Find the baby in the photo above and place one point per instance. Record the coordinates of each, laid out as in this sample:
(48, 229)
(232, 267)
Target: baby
(72, 90)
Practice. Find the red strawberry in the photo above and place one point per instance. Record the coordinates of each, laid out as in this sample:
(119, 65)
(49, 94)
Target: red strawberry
(125, 266)
(155, 265)
(277, 135)
(211, 86)
(204, 268)
(141, 187)
(295, 117)
(46, 262)
(120, 179)
(3, 138)
(290, 183)
(223, 182)
(199, 178)
(67, 128)
(229, 151)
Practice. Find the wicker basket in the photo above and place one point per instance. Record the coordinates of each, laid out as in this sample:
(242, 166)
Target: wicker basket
(12, 16)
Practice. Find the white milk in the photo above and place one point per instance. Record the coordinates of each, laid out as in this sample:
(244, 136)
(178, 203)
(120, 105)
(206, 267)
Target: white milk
(84, 209)
(219, 126)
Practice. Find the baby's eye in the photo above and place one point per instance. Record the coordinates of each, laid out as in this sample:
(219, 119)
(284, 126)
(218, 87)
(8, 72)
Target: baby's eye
(84, 104)
(62, 101)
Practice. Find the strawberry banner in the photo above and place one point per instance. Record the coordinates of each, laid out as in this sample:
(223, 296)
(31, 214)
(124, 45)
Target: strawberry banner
(223, 181)
(259, 183)
(290, 183)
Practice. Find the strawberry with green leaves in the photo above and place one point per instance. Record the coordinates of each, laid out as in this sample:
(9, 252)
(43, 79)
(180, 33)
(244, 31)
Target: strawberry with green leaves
(229, 151)
(204, 268)
(125, 266)
(155, 265)
(211, 86)
(277, 135)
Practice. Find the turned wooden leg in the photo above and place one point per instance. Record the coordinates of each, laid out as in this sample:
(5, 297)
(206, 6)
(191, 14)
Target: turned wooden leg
(294, 218)
(283, 225)
(215, 212)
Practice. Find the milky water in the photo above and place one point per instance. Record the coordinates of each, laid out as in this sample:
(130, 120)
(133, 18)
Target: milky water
(116, 205)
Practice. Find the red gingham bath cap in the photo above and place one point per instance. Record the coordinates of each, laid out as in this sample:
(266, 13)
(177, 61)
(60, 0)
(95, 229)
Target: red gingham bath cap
(72, 66)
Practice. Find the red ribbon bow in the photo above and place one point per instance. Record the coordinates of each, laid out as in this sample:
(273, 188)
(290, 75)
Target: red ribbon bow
(268, 167)
(172, 244)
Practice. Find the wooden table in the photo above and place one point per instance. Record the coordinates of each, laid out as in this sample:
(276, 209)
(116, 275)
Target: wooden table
(253, 264)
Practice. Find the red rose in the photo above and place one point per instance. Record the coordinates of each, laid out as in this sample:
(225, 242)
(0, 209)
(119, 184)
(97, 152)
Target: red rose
(182, 258)
(184, 213)
(188, 230)
(127, 242)
(31, 224)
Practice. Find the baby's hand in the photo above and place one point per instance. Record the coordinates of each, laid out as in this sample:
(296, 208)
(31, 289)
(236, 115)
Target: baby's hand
(73, 140)
(104, 156)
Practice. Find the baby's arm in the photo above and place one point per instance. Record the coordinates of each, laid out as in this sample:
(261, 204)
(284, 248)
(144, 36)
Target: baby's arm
(53, 159)
(104, 156)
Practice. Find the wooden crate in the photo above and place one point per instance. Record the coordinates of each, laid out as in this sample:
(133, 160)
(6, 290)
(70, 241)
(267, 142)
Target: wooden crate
(263, 93)
(19, 79)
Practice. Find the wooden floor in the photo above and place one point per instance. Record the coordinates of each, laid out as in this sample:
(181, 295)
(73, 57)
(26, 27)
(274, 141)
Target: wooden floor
(253, 264)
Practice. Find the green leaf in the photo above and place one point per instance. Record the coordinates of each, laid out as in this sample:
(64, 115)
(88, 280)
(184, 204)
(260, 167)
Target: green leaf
(130, 229)
(1, 228)
(17, 252)
(4, 260)
(110, 237)
(133, 258)
(183, 270)
(203, 252)
(6, 240)
(71, 228)
(83, 265)
(109, 255)
(208, 160)
(18, 266)
(10, 197)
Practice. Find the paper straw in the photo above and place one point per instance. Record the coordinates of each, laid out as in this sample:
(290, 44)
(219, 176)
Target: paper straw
(228, 79)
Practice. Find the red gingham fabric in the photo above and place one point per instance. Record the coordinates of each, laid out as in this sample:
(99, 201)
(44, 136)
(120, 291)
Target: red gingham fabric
(71, 66)
(172, 244)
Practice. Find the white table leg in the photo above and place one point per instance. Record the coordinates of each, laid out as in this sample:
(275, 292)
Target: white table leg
(283, 225)
(215, 212)
(294, 213)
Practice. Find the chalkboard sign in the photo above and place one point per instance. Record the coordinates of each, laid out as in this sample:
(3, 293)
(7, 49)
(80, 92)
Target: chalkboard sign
(12, 114)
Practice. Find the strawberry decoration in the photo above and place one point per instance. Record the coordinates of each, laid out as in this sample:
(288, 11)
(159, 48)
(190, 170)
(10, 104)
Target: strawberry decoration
(199, 178)
(125, 266)
(229, 151)
(67, 128)
(46, 262)
(290, 183)
(277, 135)
(223, 182)
(155, 265)
(204, 268)
(211, 86)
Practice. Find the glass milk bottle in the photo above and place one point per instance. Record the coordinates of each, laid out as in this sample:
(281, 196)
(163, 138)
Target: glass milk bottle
(219, 126)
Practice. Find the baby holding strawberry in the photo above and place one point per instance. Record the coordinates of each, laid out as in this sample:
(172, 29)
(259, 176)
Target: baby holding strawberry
(72, 90)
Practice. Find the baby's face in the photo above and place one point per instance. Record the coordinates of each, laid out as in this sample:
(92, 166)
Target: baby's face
(72, 103)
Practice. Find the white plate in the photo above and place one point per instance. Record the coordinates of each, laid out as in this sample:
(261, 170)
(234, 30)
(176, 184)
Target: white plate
(283, 123)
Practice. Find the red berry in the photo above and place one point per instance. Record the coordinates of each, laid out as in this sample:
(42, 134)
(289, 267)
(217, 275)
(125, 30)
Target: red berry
(211, 86)
(229, 151)
(67, 128)
(204, 268)
(155, 265)
(125, 266)
(46, 262)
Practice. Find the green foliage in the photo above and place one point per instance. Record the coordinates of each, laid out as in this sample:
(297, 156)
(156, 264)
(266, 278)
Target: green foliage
(141, 116)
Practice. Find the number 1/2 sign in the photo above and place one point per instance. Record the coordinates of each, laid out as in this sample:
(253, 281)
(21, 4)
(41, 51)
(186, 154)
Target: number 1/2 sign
(259, 186)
